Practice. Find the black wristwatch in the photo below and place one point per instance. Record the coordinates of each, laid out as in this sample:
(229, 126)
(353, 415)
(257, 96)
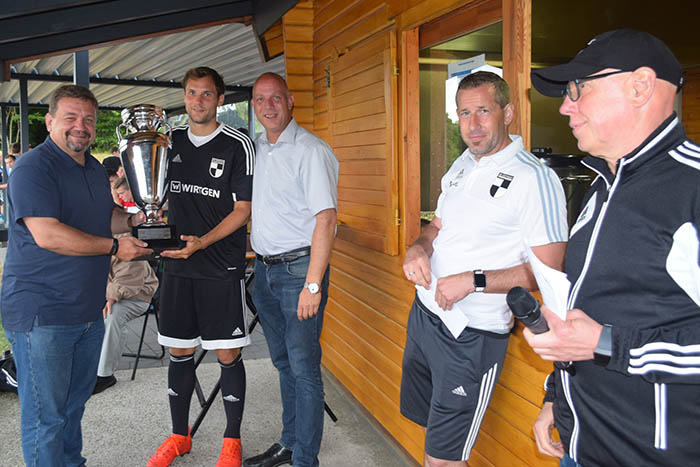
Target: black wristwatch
(479, 280)
(115, 247)
(603, 351)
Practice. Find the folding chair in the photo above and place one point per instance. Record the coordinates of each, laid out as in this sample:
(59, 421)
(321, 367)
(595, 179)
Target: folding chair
(152, 309)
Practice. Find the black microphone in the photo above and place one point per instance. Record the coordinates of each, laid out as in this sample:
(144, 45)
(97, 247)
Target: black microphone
(526, 308)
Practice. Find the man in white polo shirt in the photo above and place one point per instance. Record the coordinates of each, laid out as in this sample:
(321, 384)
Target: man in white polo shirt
(497, 200)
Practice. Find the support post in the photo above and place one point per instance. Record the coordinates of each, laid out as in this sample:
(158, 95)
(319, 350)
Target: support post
(24, 115)
(81, 68)
(251, 118)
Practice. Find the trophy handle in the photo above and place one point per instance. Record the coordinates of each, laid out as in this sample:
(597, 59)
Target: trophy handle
(119, 133)
(168, 129)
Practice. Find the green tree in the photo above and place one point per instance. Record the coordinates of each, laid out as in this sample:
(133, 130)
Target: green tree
(37, 128)
(454, 145)
(105, 137)
(105, 134)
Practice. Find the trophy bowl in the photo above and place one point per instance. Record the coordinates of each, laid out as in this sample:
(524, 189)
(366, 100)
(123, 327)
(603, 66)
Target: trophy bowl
(144, 158)
(143, 117)
(144, 152)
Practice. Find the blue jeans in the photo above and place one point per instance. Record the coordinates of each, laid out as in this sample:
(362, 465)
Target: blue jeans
(567, 461)
(296, 353)
(56, 373)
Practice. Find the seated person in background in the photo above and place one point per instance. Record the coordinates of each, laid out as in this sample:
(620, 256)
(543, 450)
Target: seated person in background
(121, 188)
(130, 288)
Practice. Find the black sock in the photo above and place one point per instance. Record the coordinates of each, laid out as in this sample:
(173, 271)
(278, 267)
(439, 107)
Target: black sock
(180, 388)
(233, 394)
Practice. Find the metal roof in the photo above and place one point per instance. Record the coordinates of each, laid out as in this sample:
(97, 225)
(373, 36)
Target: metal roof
(138, 50)
(231, 49)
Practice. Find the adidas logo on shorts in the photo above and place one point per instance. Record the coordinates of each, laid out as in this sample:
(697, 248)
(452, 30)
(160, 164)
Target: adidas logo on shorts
(231, 398)
(237, 332)
(172, 393)
(459, 391)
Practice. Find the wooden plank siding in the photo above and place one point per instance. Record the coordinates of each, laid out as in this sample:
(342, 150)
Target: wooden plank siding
(297, 28)
(272, 41)
(350, 64)
(691, 103)
(361, 127)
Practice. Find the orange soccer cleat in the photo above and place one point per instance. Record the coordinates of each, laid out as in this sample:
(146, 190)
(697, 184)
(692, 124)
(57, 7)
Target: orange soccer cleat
(230, 453)
(174, 446)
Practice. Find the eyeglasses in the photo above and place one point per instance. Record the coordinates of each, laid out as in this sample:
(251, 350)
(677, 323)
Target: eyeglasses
(574, 91)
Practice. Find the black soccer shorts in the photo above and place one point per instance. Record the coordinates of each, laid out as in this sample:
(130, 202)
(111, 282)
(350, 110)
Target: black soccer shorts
(447, 383)
(202, 311)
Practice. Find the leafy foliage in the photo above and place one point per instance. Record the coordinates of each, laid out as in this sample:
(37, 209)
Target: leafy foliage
(107, 121)
(454, 144)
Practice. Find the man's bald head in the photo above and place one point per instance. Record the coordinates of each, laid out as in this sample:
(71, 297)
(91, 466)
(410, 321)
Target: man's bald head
(269, 76)
(273, 104)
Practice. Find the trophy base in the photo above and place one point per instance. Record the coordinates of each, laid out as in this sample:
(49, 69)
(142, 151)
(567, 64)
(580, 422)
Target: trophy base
(159, 237)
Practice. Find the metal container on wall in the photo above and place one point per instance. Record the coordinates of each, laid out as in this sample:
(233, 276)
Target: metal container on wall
(575, 178)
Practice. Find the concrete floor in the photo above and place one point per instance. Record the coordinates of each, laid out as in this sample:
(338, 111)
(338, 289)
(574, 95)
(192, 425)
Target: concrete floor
(125, 424)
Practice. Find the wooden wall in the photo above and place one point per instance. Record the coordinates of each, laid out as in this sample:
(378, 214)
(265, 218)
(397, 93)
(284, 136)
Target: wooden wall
(691, 103)
(297, 29)
(363, 104)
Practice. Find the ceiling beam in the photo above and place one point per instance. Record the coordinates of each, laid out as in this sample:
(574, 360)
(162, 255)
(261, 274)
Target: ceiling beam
(117, 82)
(73, 39)
(94, 15)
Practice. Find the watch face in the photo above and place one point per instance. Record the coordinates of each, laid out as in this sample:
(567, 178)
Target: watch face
(313, 287)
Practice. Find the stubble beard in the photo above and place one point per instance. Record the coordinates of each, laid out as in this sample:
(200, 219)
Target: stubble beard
(75, 146)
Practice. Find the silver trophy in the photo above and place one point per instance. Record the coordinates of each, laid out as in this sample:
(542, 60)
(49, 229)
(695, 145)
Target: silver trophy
(144, 151)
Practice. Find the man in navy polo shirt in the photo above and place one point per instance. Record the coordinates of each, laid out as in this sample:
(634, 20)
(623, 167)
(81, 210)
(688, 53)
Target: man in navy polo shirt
(62, 218)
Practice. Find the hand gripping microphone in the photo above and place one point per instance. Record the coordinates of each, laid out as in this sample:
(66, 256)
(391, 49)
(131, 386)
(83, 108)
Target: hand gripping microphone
(526, 308)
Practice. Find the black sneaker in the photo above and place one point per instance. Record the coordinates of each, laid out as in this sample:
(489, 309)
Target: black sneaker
(104, 382)
(274, 456)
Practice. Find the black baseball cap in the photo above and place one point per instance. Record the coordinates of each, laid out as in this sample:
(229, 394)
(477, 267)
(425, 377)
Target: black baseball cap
(621, 49)
(112, 162)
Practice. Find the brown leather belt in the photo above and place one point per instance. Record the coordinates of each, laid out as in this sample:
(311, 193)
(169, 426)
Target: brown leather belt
(286, 257)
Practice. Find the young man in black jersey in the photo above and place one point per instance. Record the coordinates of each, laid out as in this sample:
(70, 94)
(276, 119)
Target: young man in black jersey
(210, 175)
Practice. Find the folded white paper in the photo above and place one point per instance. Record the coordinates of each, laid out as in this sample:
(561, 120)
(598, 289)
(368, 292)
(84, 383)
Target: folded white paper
(454, 319)
(553, 285)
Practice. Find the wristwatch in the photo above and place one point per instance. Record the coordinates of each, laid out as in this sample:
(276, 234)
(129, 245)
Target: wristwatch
(312, 287)
(603, 351)
(479, 280)
(115, 247)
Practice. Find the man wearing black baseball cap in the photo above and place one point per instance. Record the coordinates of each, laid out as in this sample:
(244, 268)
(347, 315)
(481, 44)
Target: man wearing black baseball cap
(632, 333)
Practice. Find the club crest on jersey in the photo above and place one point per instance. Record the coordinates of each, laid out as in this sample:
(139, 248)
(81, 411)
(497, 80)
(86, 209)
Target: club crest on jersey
(216, 167)
(500, 185)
